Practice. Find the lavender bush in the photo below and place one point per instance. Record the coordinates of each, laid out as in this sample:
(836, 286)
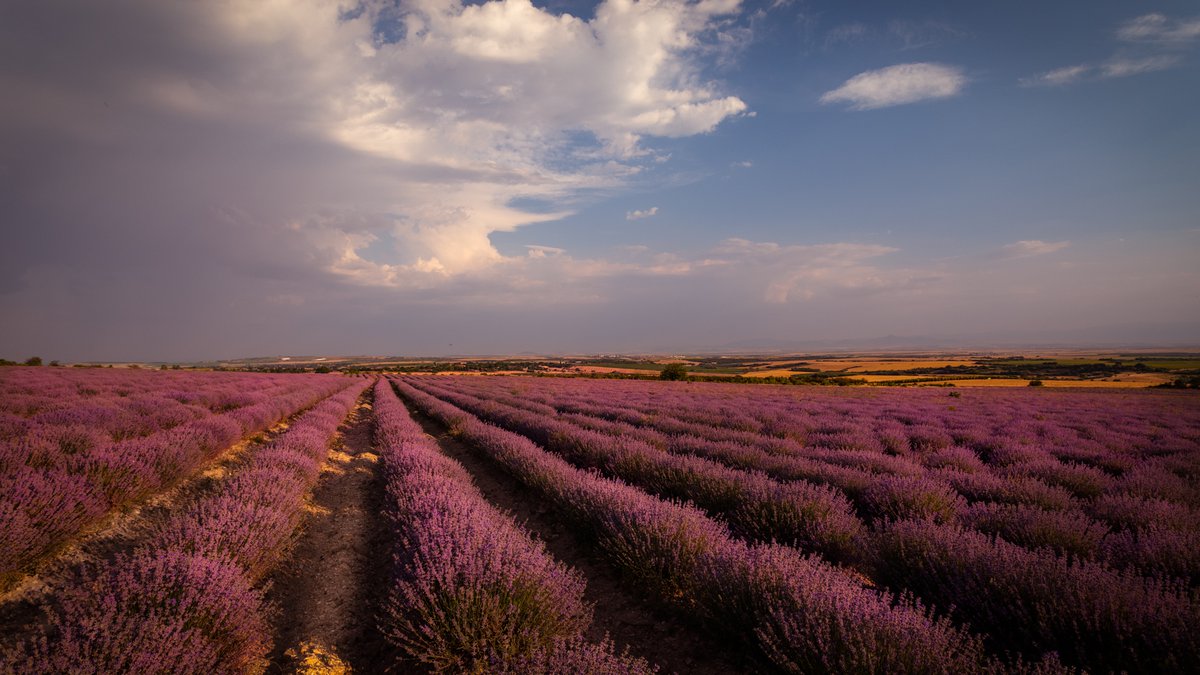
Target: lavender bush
(78, 444)
(471, 591)
(792, 609)
(1058, 523)
(1037, 601)
(184, 600)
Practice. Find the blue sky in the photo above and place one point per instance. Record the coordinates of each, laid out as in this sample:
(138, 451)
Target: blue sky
(189, 180)
(1000, 160)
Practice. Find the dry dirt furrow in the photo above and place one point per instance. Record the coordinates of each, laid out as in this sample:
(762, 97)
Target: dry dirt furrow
(328, 587)
(628, 618)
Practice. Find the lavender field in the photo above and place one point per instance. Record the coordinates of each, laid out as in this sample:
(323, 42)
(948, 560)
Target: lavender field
(599, 337)
(162, 522)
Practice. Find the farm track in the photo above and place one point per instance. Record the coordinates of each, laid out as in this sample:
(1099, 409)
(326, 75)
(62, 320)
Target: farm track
(630, 619)
(328, 588)
(25, 605)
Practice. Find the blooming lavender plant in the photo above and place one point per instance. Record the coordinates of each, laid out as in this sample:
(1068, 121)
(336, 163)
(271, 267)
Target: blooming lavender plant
(82, 443)
(752, 592)
(1037, 601)
(755, 505)
(155, 612)
(184, 600)
(1090, 499)
(471, 591)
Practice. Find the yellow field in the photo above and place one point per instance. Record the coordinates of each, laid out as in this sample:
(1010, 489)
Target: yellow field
(781, 372)
(606, 369)
(894, 378)
(1099, 384)
(852, 365)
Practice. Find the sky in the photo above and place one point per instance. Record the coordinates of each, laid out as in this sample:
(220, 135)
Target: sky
(194, 180)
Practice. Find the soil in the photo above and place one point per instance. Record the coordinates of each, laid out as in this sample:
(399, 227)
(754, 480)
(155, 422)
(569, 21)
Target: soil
(328, 587)
(630, 619)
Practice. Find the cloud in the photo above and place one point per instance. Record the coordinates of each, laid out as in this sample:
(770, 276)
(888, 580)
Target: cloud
(643, 213)
(538, 251)
(329, 182)
(898, 85)
(1124, 66)
(1117, 66)
(901, 34)
(789, 273)
(849, 33)
(430, 123)
(1031, 247)
(744, 164)
(1057, 77)
(1156, 34)
(919, 34)
(1159, 28)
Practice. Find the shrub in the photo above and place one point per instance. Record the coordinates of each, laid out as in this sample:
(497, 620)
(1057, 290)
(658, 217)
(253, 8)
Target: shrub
(905, 497)
(673, 371)
(1067, 532)
(1035, 601)
(154, 612)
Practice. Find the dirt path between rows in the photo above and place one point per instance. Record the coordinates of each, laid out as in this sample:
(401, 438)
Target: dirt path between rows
(620, 611)
(25, 605)
(328, 588)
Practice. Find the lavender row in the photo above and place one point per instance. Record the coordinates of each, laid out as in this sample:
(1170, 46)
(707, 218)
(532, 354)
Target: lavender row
(626, 451)
(185, 600)
(1080, 426)
(1145, 443)
(811, 517)
(800, 614)
(1011, 498)
(1023, 497)
(114, 405)
(53, 490)
(851, 468)
(471, 591)
(1031, 601)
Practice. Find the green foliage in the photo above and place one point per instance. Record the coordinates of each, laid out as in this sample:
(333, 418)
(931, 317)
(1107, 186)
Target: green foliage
(1192, 382)
(33, 361)
(673, 371)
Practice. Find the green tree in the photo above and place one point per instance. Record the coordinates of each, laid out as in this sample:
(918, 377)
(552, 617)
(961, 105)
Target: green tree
(673, 371)
(33, 361)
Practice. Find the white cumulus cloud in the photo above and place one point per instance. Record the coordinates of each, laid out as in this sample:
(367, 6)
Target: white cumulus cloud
(898, 85)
